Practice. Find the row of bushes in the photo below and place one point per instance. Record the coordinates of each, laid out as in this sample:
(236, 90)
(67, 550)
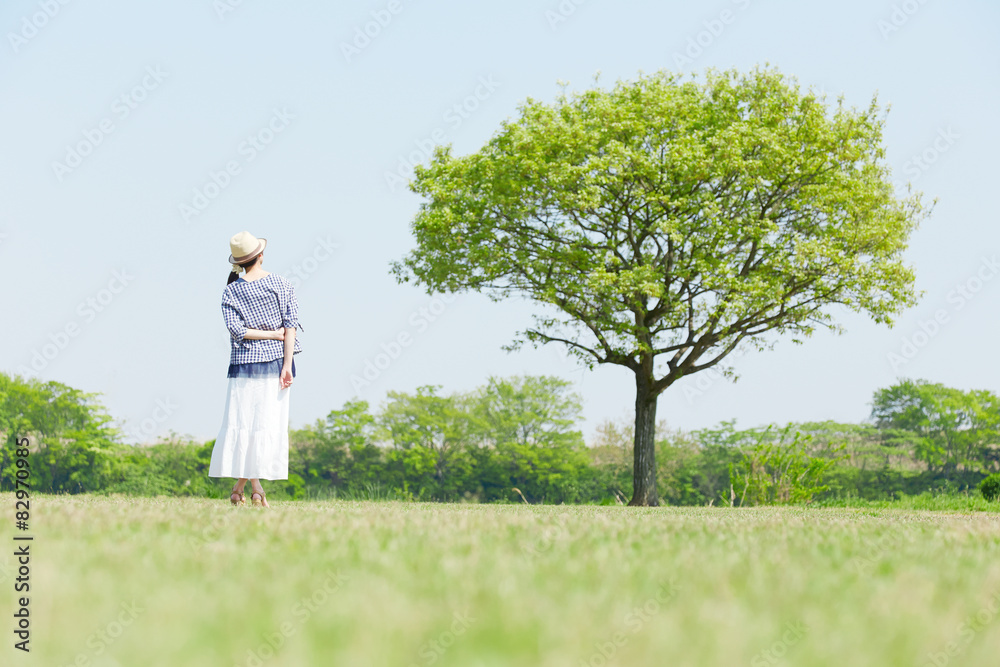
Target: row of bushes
(689, 473)
(511, 440)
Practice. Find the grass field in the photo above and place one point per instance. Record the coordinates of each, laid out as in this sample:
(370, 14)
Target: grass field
(191, 582)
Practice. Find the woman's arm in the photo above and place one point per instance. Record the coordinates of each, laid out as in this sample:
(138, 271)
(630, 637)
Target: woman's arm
(286, 368)
(262, 334)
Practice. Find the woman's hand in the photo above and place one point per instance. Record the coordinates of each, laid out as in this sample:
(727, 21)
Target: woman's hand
(279, 333)
(286, 367)
(285, 381)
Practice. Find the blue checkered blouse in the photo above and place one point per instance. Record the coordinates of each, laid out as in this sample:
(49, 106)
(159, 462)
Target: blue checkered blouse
(266, 303)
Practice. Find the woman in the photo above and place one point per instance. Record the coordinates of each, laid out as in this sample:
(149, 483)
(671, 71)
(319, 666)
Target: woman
(261, 313)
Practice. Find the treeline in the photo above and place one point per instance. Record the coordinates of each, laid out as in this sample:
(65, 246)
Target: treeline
(516, 439)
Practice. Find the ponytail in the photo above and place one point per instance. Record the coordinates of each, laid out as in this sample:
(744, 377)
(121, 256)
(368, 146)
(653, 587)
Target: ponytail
(234, 276)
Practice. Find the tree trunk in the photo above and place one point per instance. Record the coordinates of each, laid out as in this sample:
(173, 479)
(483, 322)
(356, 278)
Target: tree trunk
(644, 449)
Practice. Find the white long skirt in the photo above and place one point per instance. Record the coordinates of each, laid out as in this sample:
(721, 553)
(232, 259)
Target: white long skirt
(253, 440)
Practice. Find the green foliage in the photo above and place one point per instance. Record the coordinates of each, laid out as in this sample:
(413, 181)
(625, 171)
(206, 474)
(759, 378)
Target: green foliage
(478, 446)
(720, 200)
(928, 501)
(694, 468)
(775, 471)
(990, 487)
(950, 429)
(72, 446)
(431, 436)
(529, 421)
(521, 433)
(339, 451)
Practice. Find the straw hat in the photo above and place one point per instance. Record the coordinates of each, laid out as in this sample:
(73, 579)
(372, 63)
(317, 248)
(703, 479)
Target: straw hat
(244, 247)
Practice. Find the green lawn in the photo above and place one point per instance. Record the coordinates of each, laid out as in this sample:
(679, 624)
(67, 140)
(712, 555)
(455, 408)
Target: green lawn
(190, 582)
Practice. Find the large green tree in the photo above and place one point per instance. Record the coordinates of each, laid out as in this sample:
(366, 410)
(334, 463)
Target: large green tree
(666, 221)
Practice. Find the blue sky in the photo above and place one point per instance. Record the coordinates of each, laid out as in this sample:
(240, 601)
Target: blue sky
(140, 136)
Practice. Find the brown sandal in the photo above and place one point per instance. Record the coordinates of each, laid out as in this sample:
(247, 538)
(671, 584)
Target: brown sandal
(237, 497)
(258, 502)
